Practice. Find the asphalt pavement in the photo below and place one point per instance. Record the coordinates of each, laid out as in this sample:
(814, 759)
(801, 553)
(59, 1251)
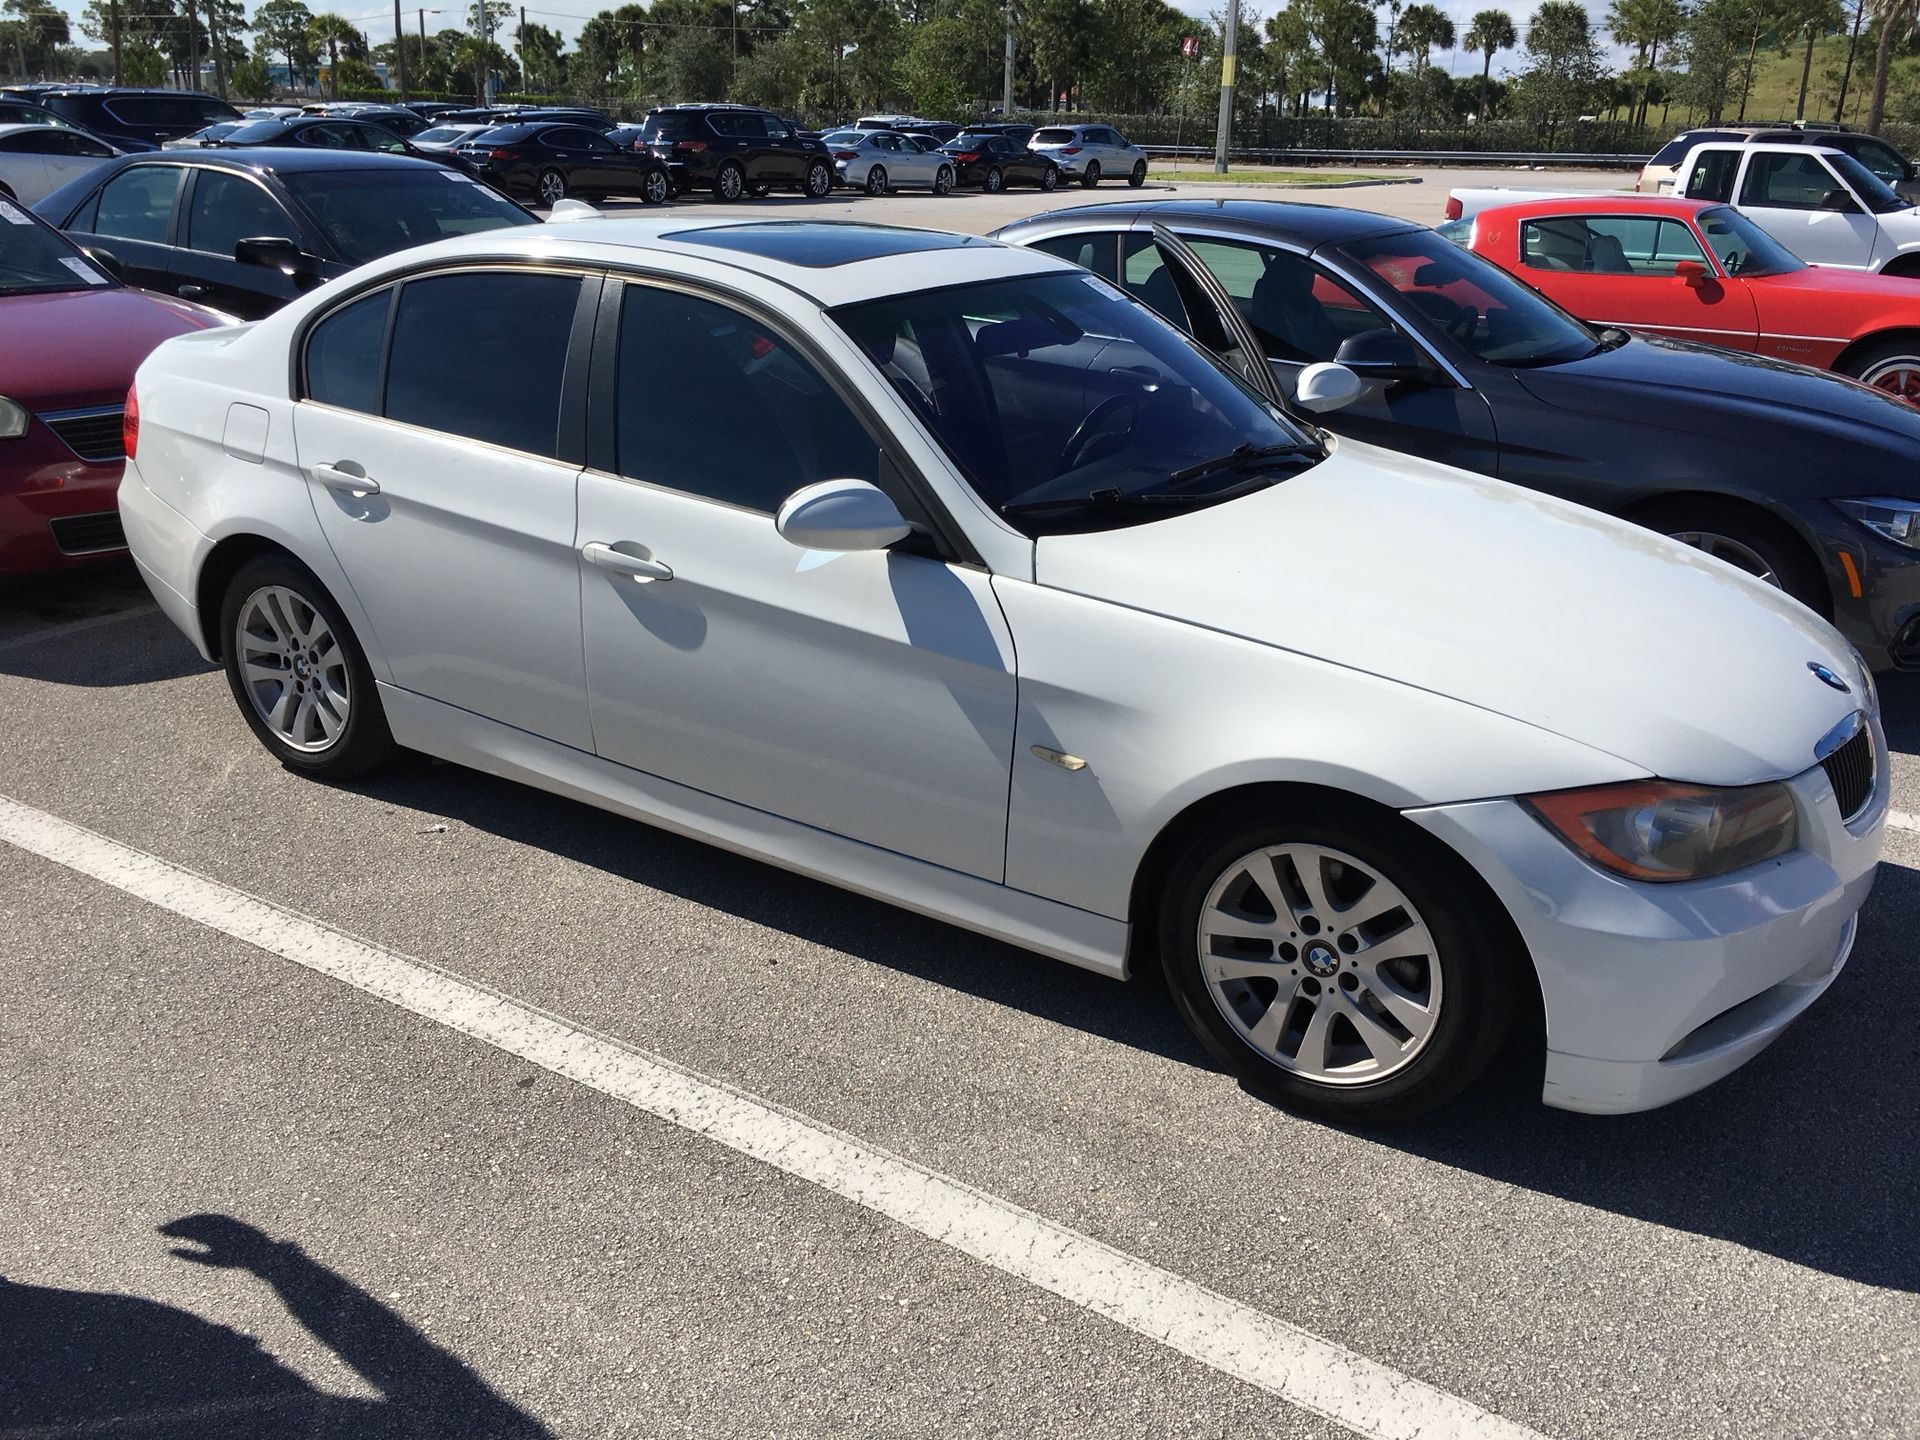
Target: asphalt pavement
(239, 1197)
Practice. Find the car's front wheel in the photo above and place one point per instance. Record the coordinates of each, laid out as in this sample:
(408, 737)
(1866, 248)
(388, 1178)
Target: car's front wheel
(1336, 959)
(819, 180)
(1049, 178)
(656, 188)
(298, 673)
(943, 181)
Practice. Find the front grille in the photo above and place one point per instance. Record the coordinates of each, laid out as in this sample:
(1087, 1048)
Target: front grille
(90, 434)
(87, 534)
(1850, 772)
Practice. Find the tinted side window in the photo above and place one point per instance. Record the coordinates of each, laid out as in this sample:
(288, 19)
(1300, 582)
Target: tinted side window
(343, 355)
(1089, 252)
(690, 369)
(482, 356)
(1146, 277)
(227, 208)
(1787, 182)
(136, 204)
(1300, 312)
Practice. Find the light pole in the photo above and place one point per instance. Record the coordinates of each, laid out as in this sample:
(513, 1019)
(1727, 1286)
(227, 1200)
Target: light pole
(400, 50)
(1223, 140)
(1006, 78)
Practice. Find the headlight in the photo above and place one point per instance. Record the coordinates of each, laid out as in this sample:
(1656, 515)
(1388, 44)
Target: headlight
(13, 418)
(1895, 520)
(1661, 831)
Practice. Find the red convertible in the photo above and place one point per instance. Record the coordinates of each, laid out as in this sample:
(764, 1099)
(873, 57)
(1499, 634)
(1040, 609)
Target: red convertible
(71, 336)
(1695, 270)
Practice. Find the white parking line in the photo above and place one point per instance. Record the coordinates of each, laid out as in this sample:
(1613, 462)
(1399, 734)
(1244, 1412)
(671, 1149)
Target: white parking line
(1900, 820)
(1301, 1368)
(74, 627)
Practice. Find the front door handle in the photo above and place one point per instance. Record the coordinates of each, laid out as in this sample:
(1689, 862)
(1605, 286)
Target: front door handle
(192, 292)
(336, 477)
(606, 557)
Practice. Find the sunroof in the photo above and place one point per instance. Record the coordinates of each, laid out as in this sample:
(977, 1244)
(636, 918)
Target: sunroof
(819, 244)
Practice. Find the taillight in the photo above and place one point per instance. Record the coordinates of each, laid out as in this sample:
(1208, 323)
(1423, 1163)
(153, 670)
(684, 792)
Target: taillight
(503, 154)
(968, 158)
(130, 425)
(692, 147)
(1454, 207)
(846, 154)
(1070, 150)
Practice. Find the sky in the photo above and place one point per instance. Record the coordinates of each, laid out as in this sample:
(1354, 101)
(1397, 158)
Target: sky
(569, 14)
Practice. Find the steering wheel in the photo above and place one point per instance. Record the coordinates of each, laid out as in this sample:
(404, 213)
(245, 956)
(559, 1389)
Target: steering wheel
(1085, 431)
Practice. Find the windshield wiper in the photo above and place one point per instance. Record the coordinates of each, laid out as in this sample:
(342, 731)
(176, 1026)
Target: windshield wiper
(1239, 455)
(1138, 499)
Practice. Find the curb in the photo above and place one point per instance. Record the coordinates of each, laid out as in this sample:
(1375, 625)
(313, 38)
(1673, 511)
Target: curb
(1294, 184)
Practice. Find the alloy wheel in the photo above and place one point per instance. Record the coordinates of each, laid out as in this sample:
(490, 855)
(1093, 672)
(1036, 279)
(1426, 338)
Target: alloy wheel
(942, 181)
(819, 181)
(1899, 375)
(996, 182)
(293, 668)
(553, 188)
(655, 189)
(1049, 178)
(731, 181)
(1735, 552)
(1320, 964)
(877, 180)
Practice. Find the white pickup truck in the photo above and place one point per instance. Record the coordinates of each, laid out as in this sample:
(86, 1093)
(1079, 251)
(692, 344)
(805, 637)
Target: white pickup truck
(1822, 204)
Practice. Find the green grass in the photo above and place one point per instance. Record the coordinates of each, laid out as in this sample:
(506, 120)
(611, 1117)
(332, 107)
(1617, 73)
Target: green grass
(1200, 172)
(1776, 83)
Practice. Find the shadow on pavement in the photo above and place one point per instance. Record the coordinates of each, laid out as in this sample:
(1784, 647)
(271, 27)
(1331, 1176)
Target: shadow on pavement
(1811, 1153)
(136, 647)
(78, 1362)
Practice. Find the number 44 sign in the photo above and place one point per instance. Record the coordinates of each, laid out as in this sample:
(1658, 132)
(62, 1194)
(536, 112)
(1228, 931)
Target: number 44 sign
(1190, 46)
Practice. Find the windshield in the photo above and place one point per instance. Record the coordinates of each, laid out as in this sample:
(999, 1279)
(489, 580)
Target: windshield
(1874, 192)
(1743, 248)
(669, 126)
(34, 258)
(843, 137)
(1480, 307)
(1058, 388)
(370, 213)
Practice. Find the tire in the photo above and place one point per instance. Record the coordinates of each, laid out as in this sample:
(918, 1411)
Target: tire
(656, 189)
(1763, 547)
(1049, 178)
(276, 599)
(943, 181)
(1091, 176)
(551, 187)
(730, 183)
(1139, 175)
(1891, 365)
(1451, 982)
(760, 191)
(819, 183)
(877, 180)
(996, 181)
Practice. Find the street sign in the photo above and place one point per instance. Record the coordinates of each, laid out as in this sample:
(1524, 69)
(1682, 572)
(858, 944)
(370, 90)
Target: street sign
(1190, 46)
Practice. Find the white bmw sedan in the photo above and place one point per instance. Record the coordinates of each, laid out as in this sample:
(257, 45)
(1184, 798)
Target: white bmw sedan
(942, 571)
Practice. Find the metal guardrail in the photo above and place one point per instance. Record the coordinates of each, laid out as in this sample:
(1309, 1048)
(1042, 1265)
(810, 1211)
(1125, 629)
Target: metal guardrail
(1308, 154)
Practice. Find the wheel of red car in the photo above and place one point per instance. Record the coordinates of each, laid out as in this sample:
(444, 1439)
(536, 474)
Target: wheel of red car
(1892, 365)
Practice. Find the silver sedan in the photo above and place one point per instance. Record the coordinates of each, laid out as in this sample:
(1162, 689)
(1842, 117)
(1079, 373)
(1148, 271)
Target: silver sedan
(881, 160)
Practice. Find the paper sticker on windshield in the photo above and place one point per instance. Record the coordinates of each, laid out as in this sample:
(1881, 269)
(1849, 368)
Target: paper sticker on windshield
(456, 175)
(85, 271)
(1100, 286)
(17, 217)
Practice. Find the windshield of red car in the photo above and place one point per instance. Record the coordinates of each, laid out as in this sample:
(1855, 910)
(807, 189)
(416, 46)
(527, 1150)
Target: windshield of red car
(35, 259)
(1743, 248)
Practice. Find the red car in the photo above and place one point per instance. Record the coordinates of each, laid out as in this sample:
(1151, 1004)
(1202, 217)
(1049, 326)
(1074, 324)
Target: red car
(1695, 270)
(71, 336)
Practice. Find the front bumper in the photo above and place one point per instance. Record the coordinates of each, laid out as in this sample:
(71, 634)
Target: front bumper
(1653, 992)
(56, 510)
(1883, 621)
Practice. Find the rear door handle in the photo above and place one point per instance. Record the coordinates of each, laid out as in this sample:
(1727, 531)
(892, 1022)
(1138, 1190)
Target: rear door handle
(595, 552)
(345, 481)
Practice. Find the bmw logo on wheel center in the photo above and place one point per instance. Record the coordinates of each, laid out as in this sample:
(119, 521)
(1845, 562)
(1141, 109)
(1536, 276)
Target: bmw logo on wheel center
(1827, 676)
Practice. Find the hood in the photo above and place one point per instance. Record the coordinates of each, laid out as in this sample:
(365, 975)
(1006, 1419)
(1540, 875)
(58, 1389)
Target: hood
(1502, 598)
(1756, 392)
(81, 347)
(1892, 291)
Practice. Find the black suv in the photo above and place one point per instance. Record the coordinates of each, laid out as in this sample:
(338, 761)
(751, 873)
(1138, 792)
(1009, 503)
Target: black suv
(736, 150)
(147, 117)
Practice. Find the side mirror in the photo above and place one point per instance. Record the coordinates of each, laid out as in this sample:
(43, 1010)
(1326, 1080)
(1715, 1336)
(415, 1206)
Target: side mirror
(841, 515)
(1839, 202)
(273, 252)
(106, 260)
(1913, 171)
(1690, 273)
(1380, 355)
(1326, 387)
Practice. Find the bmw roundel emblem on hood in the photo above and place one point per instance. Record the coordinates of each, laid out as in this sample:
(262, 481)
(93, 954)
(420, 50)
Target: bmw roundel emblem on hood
(1827, 677)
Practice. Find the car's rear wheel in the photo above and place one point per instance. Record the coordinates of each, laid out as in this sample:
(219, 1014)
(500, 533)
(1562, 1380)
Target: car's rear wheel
(943, 181)
(1763, 548)
(1091, 176)
(656, 188)
(819, 180)
(1336, 959)
(1139, 175)
(551, 187)
(730, 183)
(996, 180)
(298, 674)
(1049, 178)
(877, 180)
(1892, 365)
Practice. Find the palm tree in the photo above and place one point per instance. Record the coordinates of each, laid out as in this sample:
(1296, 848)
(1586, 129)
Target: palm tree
(1897, 19)
(1422, 28)
(1491, 32)
(333, 31)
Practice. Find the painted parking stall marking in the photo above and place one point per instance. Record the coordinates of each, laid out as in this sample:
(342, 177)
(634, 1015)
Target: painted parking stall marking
(1900, 820)
(1316, 1375)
